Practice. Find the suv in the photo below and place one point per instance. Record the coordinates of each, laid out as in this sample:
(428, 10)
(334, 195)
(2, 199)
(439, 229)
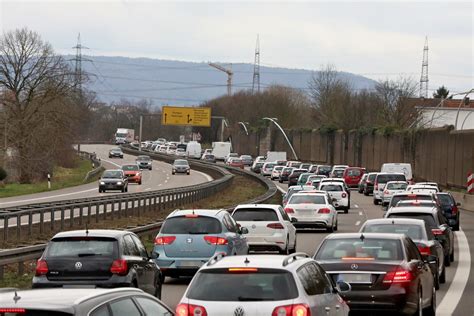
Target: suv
(113, 180)
(144, 162)
(80, 302)
(188, 238)
(116, 152)
(381, 179)
(269, 227)
(102, 258)
(181, 166)
(263, 285)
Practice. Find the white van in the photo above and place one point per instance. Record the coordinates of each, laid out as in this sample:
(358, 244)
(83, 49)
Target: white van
(404, 168)
(193, 150)
(221, 149)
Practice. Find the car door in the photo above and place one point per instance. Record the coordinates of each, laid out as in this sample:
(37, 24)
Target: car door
(134, 260)
(240, 242)
(448, 231)
(319, 295)
(149, 266)
(289, 226)
(421, 269)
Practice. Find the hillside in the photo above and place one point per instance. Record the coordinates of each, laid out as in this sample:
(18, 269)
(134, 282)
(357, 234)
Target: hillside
(185, 83)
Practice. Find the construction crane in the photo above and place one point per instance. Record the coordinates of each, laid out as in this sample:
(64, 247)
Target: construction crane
(229, 73)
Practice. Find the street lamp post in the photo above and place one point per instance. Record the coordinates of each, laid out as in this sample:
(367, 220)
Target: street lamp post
(459, 107)
(273, 120)
(245, 127)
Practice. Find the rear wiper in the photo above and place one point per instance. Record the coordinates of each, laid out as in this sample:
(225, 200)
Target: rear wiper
(88, 254)
(253, 299)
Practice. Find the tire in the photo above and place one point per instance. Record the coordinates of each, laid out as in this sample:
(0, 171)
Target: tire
(442, 277)
(281, 181)
(447, 261)
(436, 280)
(431, 310)
(419, 310)
(451, 256)
(100, 190)
(335, 227)
(366, 193)
(456, 227)
(346, 210)
(376, 202)
(140, 183)
(330, 229)
(293, 250)
(126, 188)
(158, 287)
(173, 173)
(286, 251)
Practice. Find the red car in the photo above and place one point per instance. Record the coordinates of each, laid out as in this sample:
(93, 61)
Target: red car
(133, 173)
(352, 176)
(236, 162)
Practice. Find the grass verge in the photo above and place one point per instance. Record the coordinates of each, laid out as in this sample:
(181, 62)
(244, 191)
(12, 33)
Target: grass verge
(62, 178)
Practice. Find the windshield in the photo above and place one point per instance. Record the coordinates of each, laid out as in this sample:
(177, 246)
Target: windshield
(112, 175)
(117, 150)
(81, 247)
(307, 199)
(254, 285)
(384, 178)
(191, 225)
(396, 186)
(181, 163)
(258, 215)
(143, 158)
(360, 248)
(415, 232)
(354, 172)
(121, 134)
(130, 168)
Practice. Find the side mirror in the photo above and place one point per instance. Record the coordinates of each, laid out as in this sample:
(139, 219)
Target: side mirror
(244, 230)
(458, 204)
(154, 255)
(293, 219)
(343, 287)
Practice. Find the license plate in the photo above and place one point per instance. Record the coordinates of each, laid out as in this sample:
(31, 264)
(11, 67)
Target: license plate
(193, 264)
(355, 278)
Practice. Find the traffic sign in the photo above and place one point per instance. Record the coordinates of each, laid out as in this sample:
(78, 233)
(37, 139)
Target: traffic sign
(187, 116)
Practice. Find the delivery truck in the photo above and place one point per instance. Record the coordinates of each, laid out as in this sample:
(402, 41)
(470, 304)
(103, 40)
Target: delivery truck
(124, 136)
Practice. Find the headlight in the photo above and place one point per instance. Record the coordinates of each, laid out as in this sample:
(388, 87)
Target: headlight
(119, 182)
(102, 183)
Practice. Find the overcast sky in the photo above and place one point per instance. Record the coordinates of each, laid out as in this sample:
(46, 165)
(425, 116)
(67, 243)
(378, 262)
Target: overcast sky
(379, 39)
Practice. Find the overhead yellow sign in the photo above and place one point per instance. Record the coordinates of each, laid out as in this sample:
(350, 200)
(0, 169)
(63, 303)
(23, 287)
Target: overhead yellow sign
(188, 116)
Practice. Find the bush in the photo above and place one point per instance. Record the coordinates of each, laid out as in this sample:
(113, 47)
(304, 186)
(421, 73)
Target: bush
(3, 174)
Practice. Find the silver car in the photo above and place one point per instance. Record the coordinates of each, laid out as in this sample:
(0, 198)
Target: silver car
(263, 285)
(181, 166)
(391, 188)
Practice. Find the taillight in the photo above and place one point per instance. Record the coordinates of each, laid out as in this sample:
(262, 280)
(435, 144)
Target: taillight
(324, 211)
(344, 195)
(41, 267)
(289, 210)
(275, 226)
(437, 231)
(292, 310)
(12, 311)
(166, 240)
(424, 250)
(376, 186)
(214, 240)
(398, 276)
(119, 267)
(454, 210)
(190, 310)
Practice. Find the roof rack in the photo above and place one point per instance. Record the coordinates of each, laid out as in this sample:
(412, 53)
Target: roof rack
(293, 257)
(215, 258)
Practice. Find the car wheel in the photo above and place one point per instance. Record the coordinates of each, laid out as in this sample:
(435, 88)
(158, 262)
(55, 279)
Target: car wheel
(126, 188)
(442, 277)
(281, 181)
(431, 310)
(150, 169)
(158, 287)
(451, 256)
(456, 227)
(447, 261)
(360, 191)
(346, 210)
(172, 173)
(436, 280)
(335, 227)
(188, 173)
(123, 189)
(293, 250)
(286, 251)
(100, 190)
(140, 183)
(419, 310)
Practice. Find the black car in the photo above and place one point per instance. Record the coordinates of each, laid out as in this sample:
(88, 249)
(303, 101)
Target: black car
(116, 152)
(144, 162)
(284, 174)
(294, 175)
(360, 185)
(386, 271)
(80, 302)
(419, 233)
(102, 258)
(181, 166)
(113, 180)
(435, 220)
(323, 170)
(369, 183)
(257, 167)
(450, 209)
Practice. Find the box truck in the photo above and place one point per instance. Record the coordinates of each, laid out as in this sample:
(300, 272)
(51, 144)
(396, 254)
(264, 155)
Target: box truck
(124, 136)
(221, 149)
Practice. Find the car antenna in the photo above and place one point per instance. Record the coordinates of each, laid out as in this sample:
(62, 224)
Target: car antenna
(362, 237)
(16, 298)
(247, 261)
(87, 230)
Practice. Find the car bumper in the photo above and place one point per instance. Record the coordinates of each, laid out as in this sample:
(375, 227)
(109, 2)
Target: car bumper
(116, 156)
(181, 171)
(270, 242)
(144, 166)
(322, 221)
(134, 179)
(113, 281)
(111, 187)
(180, 266)
(341, 204)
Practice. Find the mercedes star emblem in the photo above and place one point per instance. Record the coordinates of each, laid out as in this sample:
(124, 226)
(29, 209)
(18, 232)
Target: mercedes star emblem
(78, 265)
(239, 311)
(354, 266)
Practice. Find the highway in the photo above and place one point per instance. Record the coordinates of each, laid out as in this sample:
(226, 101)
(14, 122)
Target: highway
(158, 178)
(453, 298)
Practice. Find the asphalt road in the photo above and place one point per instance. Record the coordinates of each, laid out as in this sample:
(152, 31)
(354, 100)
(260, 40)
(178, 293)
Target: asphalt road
(158, 178)
(453, 298)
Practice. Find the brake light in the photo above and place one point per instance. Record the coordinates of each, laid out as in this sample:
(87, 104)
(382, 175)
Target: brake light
(454, 210)
(424, 250)
(343, 195)
(214, 240)
(190, 310)
(41, 267)
(191, 215)
(119, 267)
(359, 258)
(242, 269)
(437, 231)
(398, 276)
(289, 210)
(12, 310)
(166, 240)
(292, 310)
(275, 226)
(324, 211)
(376, 186)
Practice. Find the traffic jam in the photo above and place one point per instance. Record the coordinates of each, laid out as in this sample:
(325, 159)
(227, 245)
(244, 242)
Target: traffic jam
(247, 261)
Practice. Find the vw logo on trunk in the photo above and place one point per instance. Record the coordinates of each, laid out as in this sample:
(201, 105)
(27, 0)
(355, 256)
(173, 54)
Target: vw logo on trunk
(354, 266)
(239, 311)
(78, 265)
(189, 240)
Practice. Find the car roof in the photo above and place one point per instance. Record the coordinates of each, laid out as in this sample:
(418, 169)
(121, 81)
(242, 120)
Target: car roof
(404, 221)
(201, 212)
(300, 187)
(92, 233)
(397, 182)
(365, 235)
(418, 209)
(256, 261)
(68, 297)
(333, 183)
(258, 206)
(310, 193)
(390, 173)
(333, 180)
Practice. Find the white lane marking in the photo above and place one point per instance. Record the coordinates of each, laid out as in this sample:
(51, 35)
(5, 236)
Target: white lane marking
(208, 177)
(160, 184)
(111, 162)
(49, 197)
(456, 289)
(147, 189)
(360, 214)
(357, 223)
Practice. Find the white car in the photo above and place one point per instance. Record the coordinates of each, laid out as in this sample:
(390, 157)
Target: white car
(312, 210)
(276, 172)
(161, 149)
(381, 179)
(267, 169)
(171, 150)
(339, 180)
(416, 188)
(338, 194)
(269, 227)
(260, 159)
(231, 155)
(391, 188)
(257, 285)
(314, 177)
(180, 152)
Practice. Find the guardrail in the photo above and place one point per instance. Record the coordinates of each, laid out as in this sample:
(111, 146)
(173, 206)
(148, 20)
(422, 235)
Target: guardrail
(96, 164)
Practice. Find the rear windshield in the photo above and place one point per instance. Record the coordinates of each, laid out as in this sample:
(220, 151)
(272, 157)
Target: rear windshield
(259, 285)
(287, 169)
(270, 165)
(445, 200)
(324, 168)
(384, 178)
(130, 168)
(397, 198)
(297, 172)
(331, 187)
(396, 186)
(338, 172)
(415, 232)
(191, 225)
(360, 248)
(428, 218)
(252, 214)
(259, 164)
(416, 203)
(305, 165)
(354, 172)
(307, 199)
(278, 168)
(82, 247)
